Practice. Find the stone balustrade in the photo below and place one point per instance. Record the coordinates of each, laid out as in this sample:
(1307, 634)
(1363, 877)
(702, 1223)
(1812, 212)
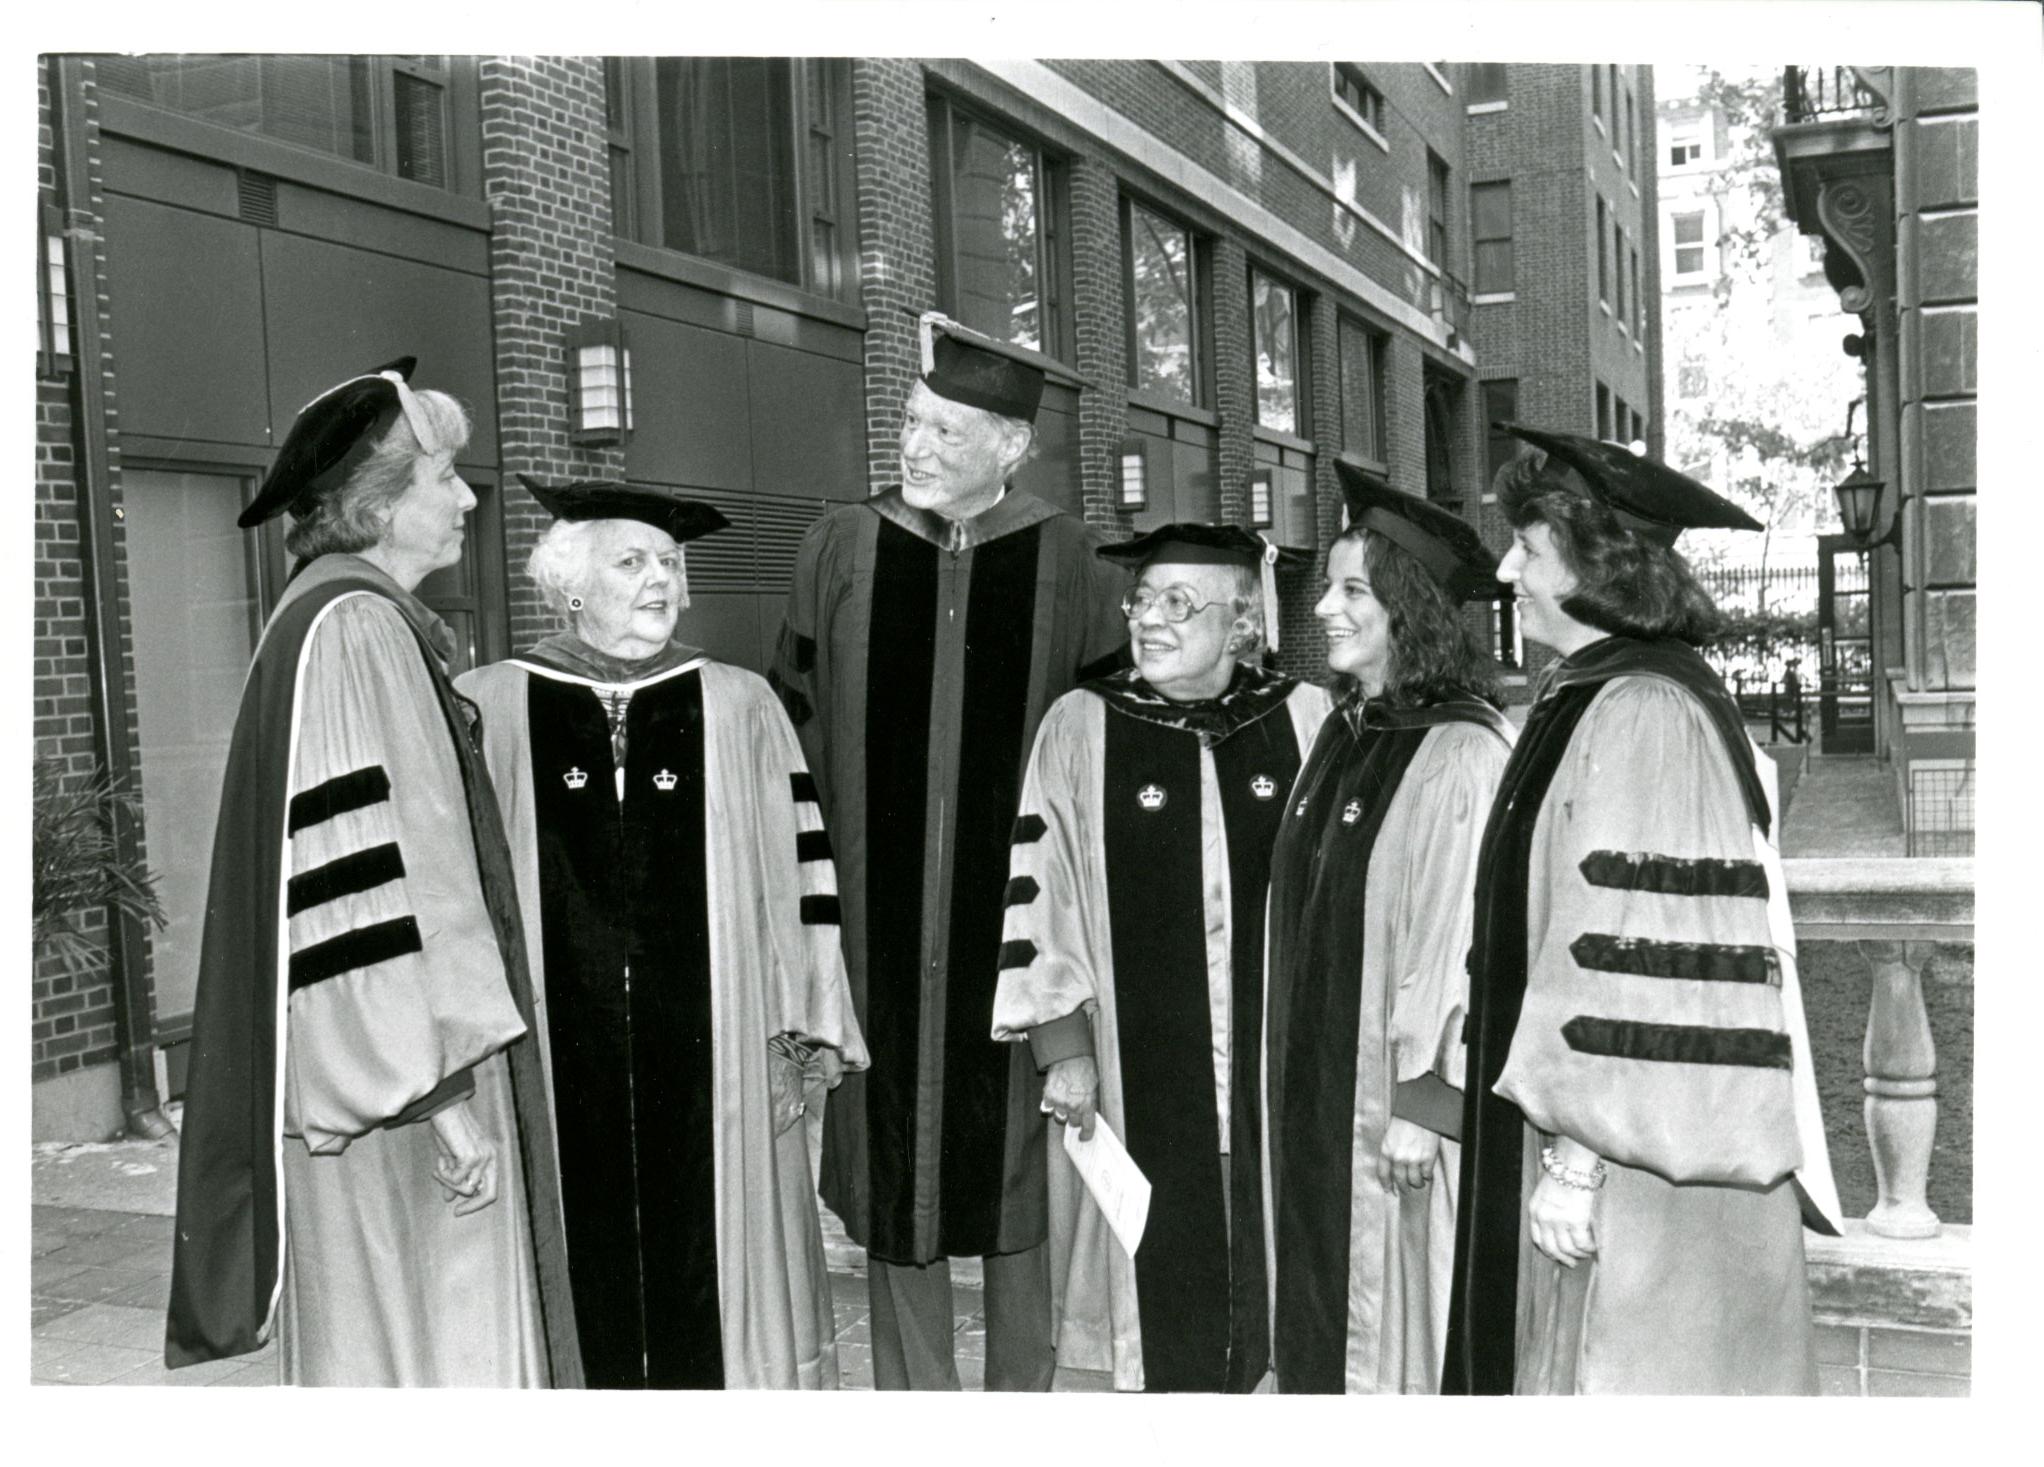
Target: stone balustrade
(1893, 1297)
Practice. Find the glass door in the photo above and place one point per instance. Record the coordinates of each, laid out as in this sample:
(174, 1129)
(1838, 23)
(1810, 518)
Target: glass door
(1845, 688)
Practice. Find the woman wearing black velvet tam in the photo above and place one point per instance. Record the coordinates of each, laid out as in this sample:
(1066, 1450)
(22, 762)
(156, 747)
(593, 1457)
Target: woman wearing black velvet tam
(1641, 1143)
(362, 1103)
(1369, 927)
(681, 910)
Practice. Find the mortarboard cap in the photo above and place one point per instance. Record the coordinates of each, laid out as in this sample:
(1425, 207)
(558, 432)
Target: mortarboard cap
(1647, 497)
(611, 499)
(333, 433)
(1444, 543)
(983, 379)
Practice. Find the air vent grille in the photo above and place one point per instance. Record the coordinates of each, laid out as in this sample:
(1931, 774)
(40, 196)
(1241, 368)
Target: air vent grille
(258, 198)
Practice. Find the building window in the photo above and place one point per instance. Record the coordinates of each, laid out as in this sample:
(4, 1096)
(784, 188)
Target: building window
(1500, 405)
(1639, 304)
(1687, 232)
(1442, 404)
(1161, 285)
(1361, 352)
(1639, 428)
(1483, 81)
(1437, 209)
(1619, 417)
(1685, 145)
(1603, 255)
(1001, 241)
(1274, 309)
(390, 113)
(733, 160)
(1631, 136)
(1597, 92)
(1353, 90)
(1618, 270)
(1603, 411)
(1490, 212)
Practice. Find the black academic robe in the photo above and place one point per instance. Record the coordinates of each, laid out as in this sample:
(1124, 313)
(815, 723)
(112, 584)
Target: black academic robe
(917, 658)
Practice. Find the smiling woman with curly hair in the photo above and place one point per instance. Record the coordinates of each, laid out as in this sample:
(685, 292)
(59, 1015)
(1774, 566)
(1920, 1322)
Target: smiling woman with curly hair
(1369, 927)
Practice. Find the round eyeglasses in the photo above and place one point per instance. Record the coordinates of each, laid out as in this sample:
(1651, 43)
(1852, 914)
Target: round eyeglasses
(1173, 603)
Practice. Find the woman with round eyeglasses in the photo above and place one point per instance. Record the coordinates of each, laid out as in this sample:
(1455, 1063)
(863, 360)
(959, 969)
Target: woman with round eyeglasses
(1132, 960)
(1370, 917)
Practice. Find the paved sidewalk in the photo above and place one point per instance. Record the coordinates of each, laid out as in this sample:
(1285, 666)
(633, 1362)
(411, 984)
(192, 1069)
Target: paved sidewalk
(1844, 806)
(99, 1281)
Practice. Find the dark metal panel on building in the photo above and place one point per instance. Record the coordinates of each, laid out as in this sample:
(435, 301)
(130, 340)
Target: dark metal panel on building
(1053, 474)
(334, 310)
(189, 291)
(331, 216)
(169, 178)
(808, 423)
(691, 406)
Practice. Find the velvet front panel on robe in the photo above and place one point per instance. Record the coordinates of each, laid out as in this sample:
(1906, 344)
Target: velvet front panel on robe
(1319, 882)
(628, 997)
(917, 658)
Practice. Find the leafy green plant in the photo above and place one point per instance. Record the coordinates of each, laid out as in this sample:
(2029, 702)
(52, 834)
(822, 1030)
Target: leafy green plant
(78, 865)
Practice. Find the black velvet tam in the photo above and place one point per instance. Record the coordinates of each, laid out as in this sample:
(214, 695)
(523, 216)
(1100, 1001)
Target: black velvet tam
(1646, 496)
(1445, 543)
(331, 434)
(983, 379)
(1192, 543)
(610, 499)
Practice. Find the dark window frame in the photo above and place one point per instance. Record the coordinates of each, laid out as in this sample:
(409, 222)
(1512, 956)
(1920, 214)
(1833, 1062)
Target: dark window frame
(1376, 349)
(1199, 263)
(1477, 77)
(1363, 98)
(639, 142)
(454, 77)
(1603, 251)
(1489, 188)
(1053, 221)
(1302, 352)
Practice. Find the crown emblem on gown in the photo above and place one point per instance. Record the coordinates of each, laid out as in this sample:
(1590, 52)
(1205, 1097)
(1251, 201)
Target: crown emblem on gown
(664, 780)
(1351, 812)
(1263, 786)
(574, 779)
(1151, 797)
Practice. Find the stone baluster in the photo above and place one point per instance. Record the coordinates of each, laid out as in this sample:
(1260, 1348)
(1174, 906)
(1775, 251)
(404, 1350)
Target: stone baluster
(1902, 1090)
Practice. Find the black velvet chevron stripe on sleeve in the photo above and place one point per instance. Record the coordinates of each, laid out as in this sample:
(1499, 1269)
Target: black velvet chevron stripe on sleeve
(1021, 891)
(355, 872)
(803, 784)
(1707, 962)
(1675, 875)
(362, 948)
(1685, 1044)
(1019, 953)
(822, 911)
(1028, 829)
(812, 845)
(337, 796)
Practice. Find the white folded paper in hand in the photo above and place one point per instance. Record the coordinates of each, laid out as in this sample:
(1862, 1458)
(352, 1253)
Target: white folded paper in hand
(1118, 1185)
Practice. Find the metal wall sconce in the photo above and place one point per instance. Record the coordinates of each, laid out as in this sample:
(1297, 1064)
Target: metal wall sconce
(1135, 474)
(53, 337)
(1859, 501)
(1259, 501)
(600, 381)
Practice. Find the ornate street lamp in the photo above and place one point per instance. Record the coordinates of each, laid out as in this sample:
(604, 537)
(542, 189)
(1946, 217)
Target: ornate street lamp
(1859, 501)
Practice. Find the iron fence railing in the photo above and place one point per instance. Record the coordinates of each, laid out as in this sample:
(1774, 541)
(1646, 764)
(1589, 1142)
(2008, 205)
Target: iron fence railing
(1812, 93)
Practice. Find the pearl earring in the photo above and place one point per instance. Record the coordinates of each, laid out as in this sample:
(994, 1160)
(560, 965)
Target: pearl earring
(574, 603)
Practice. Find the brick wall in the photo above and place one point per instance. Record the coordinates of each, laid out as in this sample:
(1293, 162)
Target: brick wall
(1100, 318)
(897, 257)
(72, 1026)
(552, 263)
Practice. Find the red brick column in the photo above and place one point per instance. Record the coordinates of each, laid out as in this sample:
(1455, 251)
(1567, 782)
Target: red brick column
(1234, 379)
(1100, 315)
(552, 262)
(897, 255)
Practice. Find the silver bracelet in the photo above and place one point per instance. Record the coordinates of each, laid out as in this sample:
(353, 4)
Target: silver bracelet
(1569, 1176)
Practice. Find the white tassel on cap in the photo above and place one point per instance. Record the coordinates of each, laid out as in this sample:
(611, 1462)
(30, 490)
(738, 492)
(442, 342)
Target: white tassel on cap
(1268, 570)
(429, 443)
